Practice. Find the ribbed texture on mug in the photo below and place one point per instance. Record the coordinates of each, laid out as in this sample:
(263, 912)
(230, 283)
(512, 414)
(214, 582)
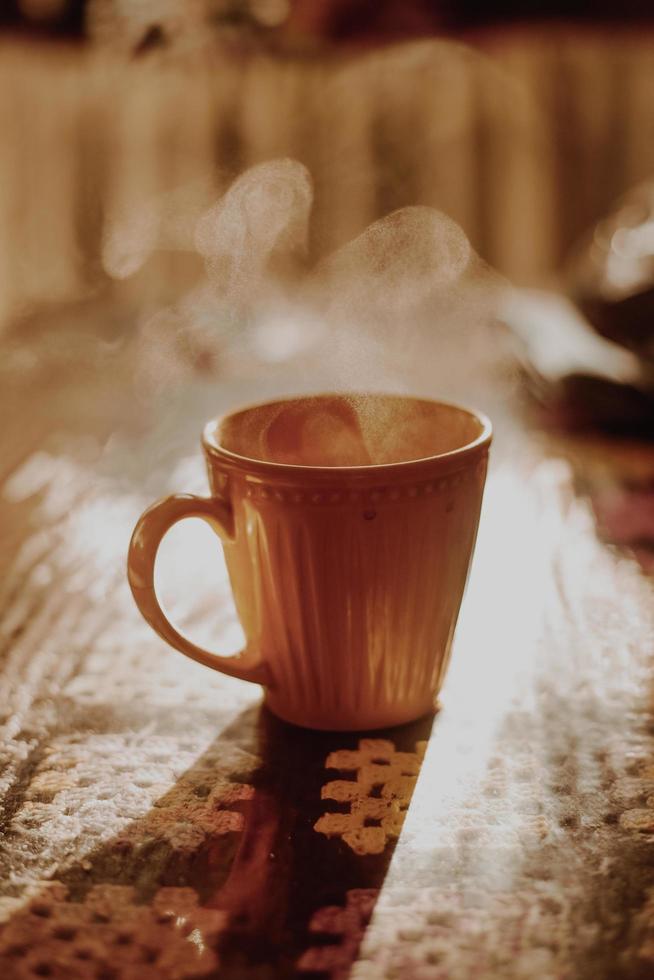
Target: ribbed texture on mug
(354, 608)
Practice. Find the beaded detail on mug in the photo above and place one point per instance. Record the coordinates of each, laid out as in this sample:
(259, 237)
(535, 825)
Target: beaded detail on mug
(372, 495)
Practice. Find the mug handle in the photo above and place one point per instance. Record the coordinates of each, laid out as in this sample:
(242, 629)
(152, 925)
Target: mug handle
(148, 535)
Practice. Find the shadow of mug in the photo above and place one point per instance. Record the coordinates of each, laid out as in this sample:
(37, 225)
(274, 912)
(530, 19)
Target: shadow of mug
(231, 873)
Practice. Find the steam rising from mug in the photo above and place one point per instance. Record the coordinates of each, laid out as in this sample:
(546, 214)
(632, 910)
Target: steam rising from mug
(397, 262)
(132, 233)
(393, 294)
(371, 309)
(265, 210)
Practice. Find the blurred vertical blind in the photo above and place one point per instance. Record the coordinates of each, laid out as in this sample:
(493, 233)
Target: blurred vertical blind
(525, 142)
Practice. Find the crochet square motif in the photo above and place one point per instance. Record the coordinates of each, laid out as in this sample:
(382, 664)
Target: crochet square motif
(379, 795)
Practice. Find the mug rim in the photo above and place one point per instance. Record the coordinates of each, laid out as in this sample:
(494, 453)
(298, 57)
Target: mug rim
(251, 464)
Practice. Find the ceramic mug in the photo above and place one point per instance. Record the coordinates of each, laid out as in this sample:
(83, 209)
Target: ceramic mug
(348, 525)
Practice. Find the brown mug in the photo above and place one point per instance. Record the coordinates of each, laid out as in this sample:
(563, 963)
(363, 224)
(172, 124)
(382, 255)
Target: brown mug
(348, 525)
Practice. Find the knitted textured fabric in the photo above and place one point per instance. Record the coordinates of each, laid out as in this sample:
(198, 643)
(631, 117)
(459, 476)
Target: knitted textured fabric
(157, 823)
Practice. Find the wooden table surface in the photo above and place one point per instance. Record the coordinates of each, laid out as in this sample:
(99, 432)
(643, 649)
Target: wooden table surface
(158, 823)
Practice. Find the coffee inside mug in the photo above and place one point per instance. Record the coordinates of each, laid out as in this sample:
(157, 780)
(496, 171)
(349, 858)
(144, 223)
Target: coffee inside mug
(348, 430)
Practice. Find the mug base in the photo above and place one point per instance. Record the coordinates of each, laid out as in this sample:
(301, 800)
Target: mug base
(390, 718)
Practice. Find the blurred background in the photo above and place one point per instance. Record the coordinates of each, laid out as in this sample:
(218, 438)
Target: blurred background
(523, 124)
(134, 220)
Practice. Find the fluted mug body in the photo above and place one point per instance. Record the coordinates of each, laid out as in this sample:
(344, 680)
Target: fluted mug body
(348, 579)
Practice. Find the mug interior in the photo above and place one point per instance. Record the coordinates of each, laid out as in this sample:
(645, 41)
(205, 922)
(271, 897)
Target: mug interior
(348, 430)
